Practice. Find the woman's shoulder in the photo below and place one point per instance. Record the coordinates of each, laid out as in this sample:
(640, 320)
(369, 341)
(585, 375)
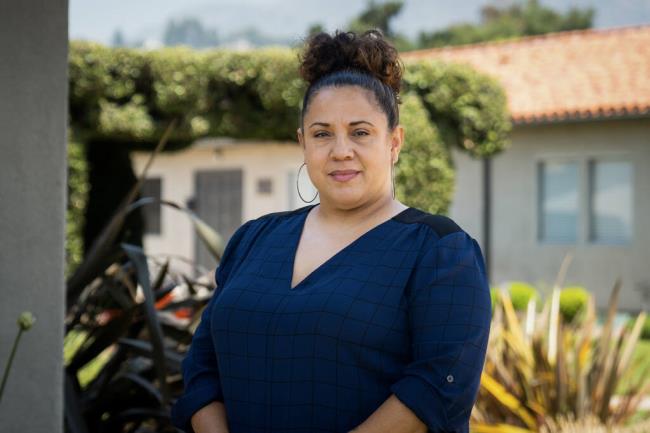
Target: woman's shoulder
(444, 242)
(255, 227)
(436, 225)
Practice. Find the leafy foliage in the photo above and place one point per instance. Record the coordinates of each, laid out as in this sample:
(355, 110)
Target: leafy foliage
(77, 198)
(377, 16)
(573, 300)
(126, 333)
(466, 107)
(521, 293)
(424, 161)
(558, 376)
(512, 21)
(130, 95)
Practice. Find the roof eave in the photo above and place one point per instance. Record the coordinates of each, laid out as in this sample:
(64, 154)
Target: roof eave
(562, 118)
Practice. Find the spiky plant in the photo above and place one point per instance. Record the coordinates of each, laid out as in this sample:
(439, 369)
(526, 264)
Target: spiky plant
(126, 333)
(538, 376)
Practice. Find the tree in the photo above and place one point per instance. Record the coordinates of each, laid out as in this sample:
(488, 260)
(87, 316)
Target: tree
(315, 28)
(515, 20)
(118, 39)
(379, 16)
(189, 31)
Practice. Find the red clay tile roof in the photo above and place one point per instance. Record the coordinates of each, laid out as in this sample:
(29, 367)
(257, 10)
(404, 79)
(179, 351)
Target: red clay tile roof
(568, 75)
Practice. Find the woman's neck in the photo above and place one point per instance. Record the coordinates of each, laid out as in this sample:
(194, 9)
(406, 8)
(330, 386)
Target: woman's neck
(366, 215)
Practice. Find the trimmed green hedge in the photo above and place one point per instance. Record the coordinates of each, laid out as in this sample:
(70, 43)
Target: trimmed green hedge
(77, 199)
(128, 96)
(521, 293)
(573, 300)
(468, 108)
(424, 160)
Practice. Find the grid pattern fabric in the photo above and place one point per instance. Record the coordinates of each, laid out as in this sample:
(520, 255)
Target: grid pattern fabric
(404, 309)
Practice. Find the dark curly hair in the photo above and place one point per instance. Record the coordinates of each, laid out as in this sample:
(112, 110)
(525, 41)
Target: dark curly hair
(346, 58)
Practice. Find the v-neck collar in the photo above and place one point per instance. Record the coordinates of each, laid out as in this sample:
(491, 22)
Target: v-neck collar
(296, 243)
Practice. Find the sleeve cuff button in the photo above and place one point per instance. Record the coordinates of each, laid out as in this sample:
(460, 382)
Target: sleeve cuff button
(450, 378)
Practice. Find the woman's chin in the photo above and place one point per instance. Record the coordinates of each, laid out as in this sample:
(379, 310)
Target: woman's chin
(347, 198)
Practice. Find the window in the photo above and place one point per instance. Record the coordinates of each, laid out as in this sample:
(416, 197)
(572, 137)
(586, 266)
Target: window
(610, 201)
(558, 182)
(265, 186)
(151, 187)
(585, 199)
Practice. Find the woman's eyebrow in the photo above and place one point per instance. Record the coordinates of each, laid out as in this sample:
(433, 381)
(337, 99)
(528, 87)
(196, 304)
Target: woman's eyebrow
(319, 123)
(356, 122)
(361, 121)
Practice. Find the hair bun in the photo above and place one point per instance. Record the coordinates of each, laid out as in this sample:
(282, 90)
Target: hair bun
(368, 52)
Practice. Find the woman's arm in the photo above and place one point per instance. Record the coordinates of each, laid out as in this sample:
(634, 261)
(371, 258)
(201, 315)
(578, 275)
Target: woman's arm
(211, 419)
(449, 313)
(200, 368)
(392, 416)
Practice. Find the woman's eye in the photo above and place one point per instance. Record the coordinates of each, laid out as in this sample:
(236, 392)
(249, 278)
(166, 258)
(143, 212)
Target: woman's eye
(361, 132)
(320, 134)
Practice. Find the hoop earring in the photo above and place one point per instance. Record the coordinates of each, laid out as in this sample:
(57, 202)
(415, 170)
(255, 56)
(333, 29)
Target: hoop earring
(392, 176)
(298, 188)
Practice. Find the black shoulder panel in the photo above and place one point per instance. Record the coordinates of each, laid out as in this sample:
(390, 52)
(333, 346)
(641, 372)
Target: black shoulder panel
(441, 224)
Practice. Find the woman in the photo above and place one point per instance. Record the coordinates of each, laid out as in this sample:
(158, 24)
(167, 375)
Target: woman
(355, 314)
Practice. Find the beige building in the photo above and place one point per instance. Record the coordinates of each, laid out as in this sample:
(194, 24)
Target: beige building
(226, 182)
(575, 178)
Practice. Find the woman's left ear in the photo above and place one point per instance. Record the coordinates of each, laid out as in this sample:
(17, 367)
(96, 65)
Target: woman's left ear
(301, 139)
(397, 140)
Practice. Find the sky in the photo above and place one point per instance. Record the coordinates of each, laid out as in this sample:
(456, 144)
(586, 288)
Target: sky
(97, 20)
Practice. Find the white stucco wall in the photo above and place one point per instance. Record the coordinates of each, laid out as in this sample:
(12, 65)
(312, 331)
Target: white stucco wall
(256, 159)
(467, 204)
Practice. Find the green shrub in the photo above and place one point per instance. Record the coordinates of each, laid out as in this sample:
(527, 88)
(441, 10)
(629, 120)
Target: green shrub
(424, 161)
(130, 95)
(521, 293)
(77, 199)
(573, 300)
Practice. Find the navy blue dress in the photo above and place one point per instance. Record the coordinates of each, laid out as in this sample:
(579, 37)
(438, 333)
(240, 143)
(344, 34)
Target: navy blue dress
(404, 309)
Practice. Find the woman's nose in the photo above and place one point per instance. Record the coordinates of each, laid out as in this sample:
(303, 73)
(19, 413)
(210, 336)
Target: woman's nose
(342, 147)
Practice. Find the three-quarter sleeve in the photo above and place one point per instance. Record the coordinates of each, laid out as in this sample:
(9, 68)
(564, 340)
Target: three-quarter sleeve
(449, 313)
(199, 367)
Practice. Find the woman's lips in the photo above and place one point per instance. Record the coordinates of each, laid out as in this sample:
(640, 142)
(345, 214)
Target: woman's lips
(344, 176)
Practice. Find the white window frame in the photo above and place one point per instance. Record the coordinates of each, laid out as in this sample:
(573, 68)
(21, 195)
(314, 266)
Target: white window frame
(538, 194)
(591, 161)
(584, 189)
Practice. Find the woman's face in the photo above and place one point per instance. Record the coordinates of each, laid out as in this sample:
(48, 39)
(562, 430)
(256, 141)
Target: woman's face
(348, 147)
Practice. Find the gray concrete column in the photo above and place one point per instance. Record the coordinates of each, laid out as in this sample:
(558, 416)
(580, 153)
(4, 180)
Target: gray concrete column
(33, 117)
